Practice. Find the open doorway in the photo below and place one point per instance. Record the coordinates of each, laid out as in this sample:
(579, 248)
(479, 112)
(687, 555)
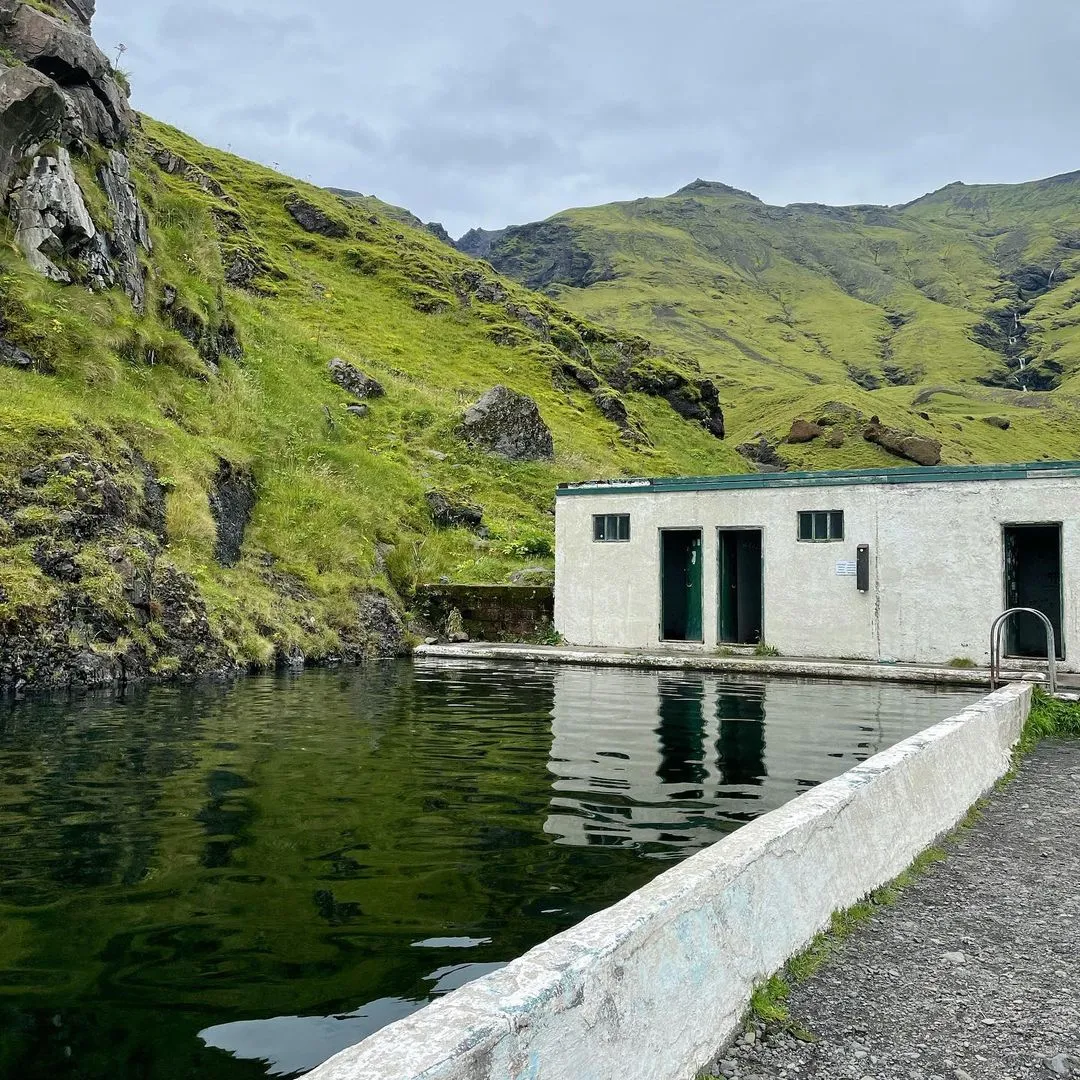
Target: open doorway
(740, 590)
(1033, 580)
(680, 585)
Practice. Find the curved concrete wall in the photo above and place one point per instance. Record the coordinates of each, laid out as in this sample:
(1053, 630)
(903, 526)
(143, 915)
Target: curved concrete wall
(649, 988)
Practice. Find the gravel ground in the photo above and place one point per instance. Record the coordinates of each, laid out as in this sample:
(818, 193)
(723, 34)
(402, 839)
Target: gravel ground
(973, 974)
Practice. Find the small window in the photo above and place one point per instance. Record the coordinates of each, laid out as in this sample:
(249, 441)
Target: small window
(821, 525)
(611, 527)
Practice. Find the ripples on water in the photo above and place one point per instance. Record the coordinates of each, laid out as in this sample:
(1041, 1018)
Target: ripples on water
(238, 881)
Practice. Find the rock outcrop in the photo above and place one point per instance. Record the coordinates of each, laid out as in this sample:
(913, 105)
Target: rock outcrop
(354, 380)
(917, 448)
(313, 220)
(447, 514)
(60, 98)
(508, 424)
(763, 454)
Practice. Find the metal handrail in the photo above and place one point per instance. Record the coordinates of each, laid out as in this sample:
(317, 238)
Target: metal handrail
(995, 647)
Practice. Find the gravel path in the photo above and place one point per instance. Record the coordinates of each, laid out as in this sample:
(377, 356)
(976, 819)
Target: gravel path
(973, 974)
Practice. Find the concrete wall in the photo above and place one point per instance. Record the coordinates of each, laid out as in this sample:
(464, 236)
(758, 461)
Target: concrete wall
(649, 988)
(936, 566)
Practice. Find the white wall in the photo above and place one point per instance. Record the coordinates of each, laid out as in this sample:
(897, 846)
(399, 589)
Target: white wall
(653, 985)
(936, 561)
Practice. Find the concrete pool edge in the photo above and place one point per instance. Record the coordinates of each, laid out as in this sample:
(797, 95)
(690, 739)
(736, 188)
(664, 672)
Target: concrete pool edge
(649, 987)
(693, 660)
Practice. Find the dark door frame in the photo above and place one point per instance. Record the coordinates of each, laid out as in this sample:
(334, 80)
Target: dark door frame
(700, 530)
(760, 529)
(1060, 526)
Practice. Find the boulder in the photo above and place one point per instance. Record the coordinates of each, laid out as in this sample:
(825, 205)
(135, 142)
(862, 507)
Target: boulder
(232, 499)
(917, 448)
(509, 424)
(313, 220)
(354, 380)
(1000, 422)
(530, 319)
(836, 438)
(804, 431)
(448, 514)
(357, 409)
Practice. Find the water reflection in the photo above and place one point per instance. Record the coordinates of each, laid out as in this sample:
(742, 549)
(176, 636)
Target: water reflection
(288, 863)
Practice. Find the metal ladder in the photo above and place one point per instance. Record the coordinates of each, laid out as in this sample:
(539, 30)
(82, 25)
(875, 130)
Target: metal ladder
(995, 647)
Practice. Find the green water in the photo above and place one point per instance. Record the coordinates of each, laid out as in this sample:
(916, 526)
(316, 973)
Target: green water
(237, 881)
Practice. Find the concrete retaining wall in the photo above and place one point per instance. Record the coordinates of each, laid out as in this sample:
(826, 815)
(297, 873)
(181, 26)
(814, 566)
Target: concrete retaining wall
(649, 988)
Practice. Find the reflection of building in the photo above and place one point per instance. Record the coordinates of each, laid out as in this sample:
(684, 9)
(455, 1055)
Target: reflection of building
(909, 564)
(676, 759)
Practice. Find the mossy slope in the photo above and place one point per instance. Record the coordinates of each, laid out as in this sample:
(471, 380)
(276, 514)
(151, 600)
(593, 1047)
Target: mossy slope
(950, 307)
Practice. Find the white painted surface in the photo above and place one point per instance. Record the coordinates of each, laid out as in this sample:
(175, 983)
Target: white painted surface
(936, 566)
(649, 988)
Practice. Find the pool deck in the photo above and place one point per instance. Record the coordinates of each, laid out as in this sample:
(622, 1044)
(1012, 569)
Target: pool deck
(743, 664)
(969, 974)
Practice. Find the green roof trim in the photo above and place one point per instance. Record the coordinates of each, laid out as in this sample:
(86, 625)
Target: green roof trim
(937, 474)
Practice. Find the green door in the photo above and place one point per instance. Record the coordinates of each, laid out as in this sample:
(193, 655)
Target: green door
(680, 585)
(739, 599)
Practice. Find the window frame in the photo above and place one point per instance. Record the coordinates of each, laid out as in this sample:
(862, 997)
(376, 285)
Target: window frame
(830, 517)
(608, 519)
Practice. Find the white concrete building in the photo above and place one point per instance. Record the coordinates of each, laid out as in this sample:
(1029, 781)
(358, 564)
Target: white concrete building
(911, 565)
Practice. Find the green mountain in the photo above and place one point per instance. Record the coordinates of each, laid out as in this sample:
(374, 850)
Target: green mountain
(187, 482)
(937, 315)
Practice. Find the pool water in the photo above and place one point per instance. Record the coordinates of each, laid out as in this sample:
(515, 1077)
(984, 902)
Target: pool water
(238, 880)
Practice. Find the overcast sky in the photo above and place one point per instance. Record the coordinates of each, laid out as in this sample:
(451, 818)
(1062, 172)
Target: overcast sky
(492, 112)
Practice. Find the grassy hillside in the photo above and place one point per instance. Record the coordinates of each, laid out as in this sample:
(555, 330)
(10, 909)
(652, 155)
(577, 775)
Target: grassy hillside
(934, 315)
(213, 372)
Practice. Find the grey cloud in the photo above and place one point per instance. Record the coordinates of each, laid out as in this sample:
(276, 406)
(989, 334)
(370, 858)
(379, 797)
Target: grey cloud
(496, 111)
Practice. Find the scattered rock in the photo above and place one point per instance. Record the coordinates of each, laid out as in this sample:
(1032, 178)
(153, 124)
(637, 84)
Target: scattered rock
(232, 500)
(447, 514)
(803, 431)
(836, 438)
(998, 421)
(175, 165)
(954, 958)
(354, 380)
(357, 409)
(917, 448)
(509, 424)
(313, 220)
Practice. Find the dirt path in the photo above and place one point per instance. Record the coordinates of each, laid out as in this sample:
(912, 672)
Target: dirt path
(973, 974)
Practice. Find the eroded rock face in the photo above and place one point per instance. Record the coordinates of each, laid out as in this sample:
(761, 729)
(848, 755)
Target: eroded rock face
(50, 216)
(232, 500)
(915, 448)
(354, 380)
(508, 424)
(62, 98)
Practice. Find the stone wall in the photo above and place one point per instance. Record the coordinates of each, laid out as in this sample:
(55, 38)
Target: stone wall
(653, 985)
(489, 612)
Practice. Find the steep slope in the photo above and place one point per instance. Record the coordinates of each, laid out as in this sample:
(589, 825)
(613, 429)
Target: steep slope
(940, 313)
(184, 486)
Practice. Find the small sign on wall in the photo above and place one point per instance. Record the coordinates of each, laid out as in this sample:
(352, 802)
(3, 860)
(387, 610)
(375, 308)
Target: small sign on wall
(847, 569)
